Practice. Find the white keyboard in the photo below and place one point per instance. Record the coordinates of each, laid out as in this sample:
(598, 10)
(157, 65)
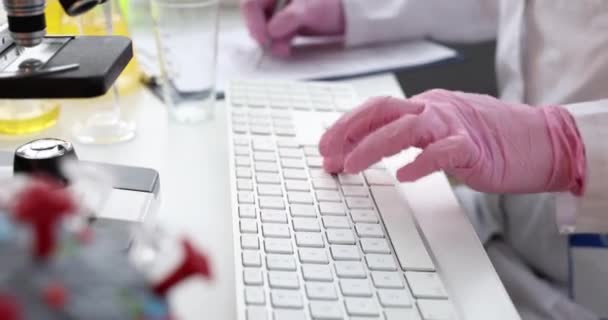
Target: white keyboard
(310, 245)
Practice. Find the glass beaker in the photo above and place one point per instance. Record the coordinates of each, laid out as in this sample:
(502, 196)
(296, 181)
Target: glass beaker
(186, 38)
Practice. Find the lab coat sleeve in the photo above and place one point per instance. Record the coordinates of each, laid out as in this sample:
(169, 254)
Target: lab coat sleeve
(389, 20)
(589, 213)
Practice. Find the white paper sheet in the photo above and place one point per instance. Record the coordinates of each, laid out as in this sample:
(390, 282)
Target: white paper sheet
(321, 59)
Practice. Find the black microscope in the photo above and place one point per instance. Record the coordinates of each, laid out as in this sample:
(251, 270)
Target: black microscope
(34, 65)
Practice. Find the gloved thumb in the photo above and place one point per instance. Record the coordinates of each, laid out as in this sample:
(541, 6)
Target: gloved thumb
(449, 153)
(287, 22)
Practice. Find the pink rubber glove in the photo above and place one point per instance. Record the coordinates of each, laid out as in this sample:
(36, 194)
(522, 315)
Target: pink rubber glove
(490, 145)
(299, 17)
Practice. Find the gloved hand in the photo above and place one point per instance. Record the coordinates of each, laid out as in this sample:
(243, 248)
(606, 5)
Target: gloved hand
(299, 17)
(488, 144)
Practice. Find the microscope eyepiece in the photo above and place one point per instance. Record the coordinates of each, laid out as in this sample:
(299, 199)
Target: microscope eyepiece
(77, 7)
(26, 21)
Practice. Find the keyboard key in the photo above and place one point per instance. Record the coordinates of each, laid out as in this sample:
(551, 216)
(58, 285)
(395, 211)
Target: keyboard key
(319, 173)
(286, 314)
(382, 262)
(290, 153)
(275, 216)
(311, 151)
(267, 202)
(258, 129)
(275, 230)
(355, 288)
(249, 241)
(255, 295)
(251, 258)
(280, 262)
(339, 236)
(242, 162)
(359, 203)
(317, 272)
(378, 177)
(324, 183)
(369, 230)
(298, 210)
(298, 174)
(240, 140)
(244, 184)
(268, 178)
(326, 310)
(336, 223)
(263, 145)
(350, 269)
(306, 224)
(328, 195)
(401, 314)
(310, 255)
(436, 309)
(266, 167)
(257, 313)
(314, 162)
(351, 179)
(321, 291)
(287, 143)
(355, 191)
(299, 197)
(243, 172)
(384, 279)
(247, 211)
(332, 208)
(240, 128)
(253, 277)
(361, 307)
(343, 252)
(246, 197)
(293, 163)
(394, 298)
(278, 246)
(286, 299)
(309, 239)
(401, 229)
(425, 284)
(270, 190)
(283, 280)
(248, 226)
(264, 156)
(369, 245)
(284, 132)
(363, 215)
(241, 151)
(296, 185)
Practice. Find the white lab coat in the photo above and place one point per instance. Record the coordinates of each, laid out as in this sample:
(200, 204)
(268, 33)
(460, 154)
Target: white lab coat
(548, 52)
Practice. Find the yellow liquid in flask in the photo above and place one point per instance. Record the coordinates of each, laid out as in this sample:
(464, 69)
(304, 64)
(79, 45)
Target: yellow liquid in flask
(19, 117)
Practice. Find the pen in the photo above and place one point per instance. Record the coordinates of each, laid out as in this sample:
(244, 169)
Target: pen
(280, 4)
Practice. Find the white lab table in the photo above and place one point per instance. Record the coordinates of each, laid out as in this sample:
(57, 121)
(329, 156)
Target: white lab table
(193, 164)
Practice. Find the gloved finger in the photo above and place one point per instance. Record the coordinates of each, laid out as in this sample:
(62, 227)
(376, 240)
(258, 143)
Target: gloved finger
(281, 47)
(384, 142)
(357, 124)
(287, 22)
(254, 12)
(453, 152)
(333, 164)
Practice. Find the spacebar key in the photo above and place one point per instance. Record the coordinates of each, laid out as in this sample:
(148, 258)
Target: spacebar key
(401, 228)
